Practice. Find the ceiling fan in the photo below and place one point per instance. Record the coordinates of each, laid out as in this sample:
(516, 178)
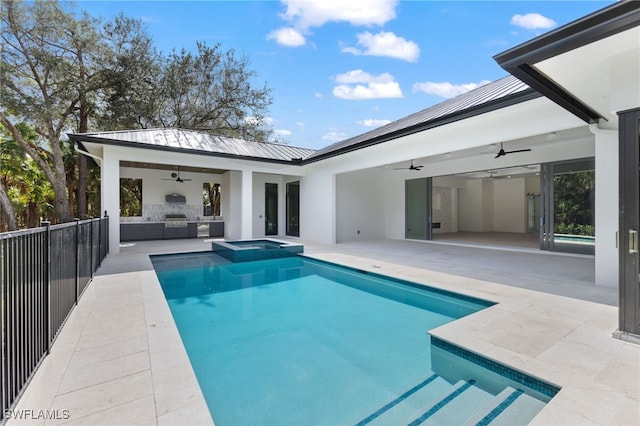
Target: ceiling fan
(502, 152)
(411, 167)
(176, 176)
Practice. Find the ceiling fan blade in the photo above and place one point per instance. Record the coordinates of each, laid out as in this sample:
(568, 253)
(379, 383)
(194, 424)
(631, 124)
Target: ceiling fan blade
(500, 153)
(518, 150)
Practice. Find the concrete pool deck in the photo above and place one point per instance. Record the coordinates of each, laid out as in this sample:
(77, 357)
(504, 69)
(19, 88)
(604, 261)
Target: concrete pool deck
(119, 359)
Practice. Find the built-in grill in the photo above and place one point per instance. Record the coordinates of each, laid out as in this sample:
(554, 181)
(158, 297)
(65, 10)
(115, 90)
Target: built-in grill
(175, 220)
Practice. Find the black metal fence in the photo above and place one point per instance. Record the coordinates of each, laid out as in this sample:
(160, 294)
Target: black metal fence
(43, 273)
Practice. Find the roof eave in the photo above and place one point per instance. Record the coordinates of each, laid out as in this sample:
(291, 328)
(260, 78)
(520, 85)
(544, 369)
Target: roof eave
(520, 61)
(79, 138)
(504, 102)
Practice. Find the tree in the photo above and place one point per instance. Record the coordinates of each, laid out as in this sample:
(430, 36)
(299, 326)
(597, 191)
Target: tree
(28, 193)
(212, 91)
(39, 66)
(130, 72)
(63, 71)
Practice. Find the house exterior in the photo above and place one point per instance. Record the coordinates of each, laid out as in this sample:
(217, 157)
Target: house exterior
(570, 103)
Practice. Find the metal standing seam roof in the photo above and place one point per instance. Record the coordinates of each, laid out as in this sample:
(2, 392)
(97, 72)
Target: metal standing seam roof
(492, 94)
(196, 141)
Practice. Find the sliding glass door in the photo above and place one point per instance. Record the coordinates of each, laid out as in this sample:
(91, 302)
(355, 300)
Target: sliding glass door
(418, 209)
(629, 224)
(568, 206)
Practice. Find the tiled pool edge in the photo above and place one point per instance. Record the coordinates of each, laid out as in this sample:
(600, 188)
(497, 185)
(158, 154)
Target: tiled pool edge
(504, 370)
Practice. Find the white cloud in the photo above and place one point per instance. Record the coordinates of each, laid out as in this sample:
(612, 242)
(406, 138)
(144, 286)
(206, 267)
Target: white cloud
(445, 89)
(385, 44)
(358, 84)
(372, 122)
(360, 76)
(305, 14)
(533, 21)
(282, 132)
(300, 124)
(289, 37)
(334, 136)
(318, 95)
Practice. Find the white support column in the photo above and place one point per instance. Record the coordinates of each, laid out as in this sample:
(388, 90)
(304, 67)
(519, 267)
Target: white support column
(110, 197)
(606, 209)
(246, 231)
(318, 207)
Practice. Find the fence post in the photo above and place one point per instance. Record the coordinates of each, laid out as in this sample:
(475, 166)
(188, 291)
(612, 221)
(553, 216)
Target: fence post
(91, 247)
(106, 216)
(77, 259)
(47, 316)
(99, 242)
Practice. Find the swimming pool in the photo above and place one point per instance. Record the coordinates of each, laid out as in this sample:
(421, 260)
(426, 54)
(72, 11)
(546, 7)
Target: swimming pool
(296, 341)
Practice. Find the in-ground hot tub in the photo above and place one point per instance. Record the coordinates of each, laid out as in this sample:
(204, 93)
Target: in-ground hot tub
(249, 250)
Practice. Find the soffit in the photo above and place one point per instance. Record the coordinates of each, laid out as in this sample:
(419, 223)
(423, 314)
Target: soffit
(605, 75)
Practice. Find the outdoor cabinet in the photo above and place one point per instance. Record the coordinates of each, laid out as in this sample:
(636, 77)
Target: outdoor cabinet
(141, 231)
(216, 229)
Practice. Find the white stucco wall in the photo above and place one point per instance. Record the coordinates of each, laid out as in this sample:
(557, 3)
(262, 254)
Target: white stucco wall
(360, 205)
(317, 206)
(606, 214)
(259, 181)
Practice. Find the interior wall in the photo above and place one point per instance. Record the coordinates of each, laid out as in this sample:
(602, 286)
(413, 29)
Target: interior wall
(509, 205)
(470, 206)
(488, 205)
(445, 202)
(360, 205)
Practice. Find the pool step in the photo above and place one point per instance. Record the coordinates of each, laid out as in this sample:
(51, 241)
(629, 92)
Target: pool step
(520, 411)
(409, 403)
(464, 400)
(435, 401)
(494, 408)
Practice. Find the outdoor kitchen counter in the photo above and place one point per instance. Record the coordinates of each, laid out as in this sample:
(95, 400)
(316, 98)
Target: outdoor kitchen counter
(139, 231)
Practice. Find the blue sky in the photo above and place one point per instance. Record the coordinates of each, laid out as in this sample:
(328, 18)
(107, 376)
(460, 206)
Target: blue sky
(339, 68)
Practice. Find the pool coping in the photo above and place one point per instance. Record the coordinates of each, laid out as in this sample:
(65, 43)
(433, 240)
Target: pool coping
(93, 371)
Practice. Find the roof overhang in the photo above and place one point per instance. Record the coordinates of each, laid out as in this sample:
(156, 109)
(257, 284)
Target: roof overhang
(503, 102)
(590, 67)
(85, 142)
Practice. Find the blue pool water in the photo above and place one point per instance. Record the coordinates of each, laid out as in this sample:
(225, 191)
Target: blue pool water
(293, 341)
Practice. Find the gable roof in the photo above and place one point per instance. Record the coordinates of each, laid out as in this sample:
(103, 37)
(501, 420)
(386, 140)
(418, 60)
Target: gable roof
(196, 142)
(492, 96)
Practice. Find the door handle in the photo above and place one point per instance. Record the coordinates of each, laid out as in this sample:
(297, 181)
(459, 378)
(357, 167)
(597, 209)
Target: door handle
(633, 241)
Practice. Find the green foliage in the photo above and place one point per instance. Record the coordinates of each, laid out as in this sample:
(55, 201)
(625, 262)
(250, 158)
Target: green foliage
(29, 191)
(130, 197)
(574, 197)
